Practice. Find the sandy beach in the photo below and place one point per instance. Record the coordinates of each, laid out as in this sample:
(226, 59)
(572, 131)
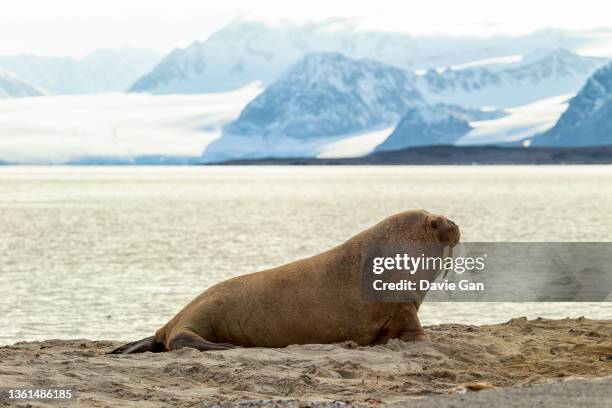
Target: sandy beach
(519, 353)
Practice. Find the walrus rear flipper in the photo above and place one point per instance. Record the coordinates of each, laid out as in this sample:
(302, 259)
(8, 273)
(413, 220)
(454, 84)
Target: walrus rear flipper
(190, 339)
(140, 346)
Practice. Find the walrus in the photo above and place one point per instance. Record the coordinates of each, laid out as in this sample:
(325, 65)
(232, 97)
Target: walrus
(313, 300)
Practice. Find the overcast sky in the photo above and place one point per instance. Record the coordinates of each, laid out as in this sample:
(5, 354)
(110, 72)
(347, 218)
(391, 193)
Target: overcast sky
(73, 27)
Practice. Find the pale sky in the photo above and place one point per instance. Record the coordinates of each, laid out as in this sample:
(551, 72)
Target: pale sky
(77, 27)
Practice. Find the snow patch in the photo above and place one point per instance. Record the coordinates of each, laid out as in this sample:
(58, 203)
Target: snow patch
(508, 59)
(355, 146)
(522, 122)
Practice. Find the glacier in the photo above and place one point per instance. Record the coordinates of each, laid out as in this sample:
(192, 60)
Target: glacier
(75, 128)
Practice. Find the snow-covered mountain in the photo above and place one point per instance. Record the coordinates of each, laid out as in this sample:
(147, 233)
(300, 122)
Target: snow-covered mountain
(326, 98)
(247, 51)
(106, 70)
(12, 86)
(541, 65)
(426, 126)
(321, 97)
(327, 94)
(543, 74)
(437, 124)
(588, 119)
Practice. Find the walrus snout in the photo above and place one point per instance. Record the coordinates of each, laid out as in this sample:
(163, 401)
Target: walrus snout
(446, 231)
(453, 233)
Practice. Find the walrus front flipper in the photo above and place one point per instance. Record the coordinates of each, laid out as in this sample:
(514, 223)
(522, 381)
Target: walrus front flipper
(190, 339)
(140, 346)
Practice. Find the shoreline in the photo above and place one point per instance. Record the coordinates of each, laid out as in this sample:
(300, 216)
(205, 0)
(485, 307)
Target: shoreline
(518, 353)
(431, 155)
(450, 155)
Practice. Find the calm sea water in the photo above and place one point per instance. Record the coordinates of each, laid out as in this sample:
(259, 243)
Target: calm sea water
(114, 252)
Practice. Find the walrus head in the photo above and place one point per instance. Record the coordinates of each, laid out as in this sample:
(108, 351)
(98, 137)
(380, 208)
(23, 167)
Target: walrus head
(443, 231)
(421, 226)
(417, 233)
(439, 230)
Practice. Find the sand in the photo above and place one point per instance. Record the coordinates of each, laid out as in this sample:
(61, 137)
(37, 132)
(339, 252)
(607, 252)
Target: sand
(519, 353)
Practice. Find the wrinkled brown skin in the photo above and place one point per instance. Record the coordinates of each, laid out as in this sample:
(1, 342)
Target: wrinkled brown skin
(313, 300)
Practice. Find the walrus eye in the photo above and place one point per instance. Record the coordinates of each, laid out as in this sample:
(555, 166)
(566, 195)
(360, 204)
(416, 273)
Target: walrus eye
(433, 224)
